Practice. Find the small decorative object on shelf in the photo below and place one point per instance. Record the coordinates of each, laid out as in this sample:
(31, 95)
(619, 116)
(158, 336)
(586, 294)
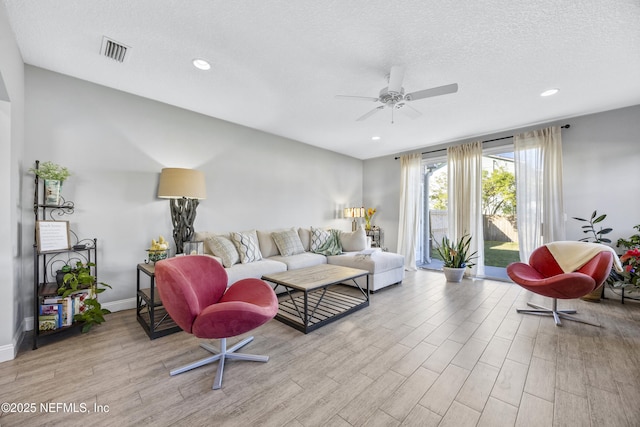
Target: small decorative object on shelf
(159, 250)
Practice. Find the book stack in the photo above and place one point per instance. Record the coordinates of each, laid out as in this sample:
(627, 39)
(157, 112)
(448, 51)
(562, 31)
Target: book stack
(57, 312)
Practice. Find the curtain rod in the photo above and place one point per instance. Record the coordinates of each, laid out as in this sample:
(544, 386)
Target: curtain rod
(488, 140)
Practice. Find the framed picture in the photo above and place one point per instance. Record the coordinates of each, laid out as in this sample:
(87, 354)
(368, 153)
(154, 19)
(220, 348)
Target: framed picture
(52, 236)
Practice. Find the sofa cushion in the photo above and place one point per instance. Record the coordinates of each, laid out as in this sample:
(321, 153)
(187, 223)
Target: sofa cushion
(288, 242)
(253, 270)
(247, 245)
(223, 248)
(374, 261)
(305, 259)
(354, 241)
(266, 243)
(305, 238)
(319, 237)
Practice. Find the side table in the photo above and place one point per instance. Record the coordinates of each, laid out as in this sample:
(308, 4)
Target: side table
(150, 313)
(377, 237)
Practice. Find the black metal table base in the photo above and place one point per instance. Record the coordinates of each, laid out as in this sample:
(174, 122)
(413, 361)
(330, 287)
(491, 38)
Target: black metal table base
(307, 311)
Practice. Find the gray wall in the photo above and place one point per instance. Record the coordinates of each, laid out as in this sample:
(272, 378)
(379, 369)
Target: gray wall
(115, 144)
(11, 142)
(601, 153)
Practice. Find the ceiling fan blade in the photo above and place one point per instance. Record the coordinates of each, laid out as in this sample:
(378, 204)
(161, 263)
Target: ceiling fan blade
(434, 91)
(408, 110)
(395, 79)
(369, 114)
(357, 98)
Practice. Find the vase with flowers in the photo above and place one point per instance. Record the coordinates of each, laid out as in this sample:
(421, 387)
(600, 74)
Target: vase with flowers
(629, 279)
(368, 215)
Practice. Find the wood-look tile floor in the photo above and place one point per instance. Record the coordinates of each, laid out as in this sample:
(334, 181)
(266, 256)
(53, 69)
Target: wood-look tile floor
(423, 353)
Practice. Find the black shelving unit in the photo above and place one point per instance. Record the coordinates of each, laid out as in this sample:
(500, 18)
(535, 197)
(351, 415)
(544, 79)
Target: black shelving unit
(47, 263)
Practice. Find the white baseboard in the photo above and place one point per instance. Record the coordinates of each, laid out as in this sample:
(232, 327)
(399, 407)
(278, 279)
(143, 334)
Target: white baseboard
(123, 304)
(9, 351)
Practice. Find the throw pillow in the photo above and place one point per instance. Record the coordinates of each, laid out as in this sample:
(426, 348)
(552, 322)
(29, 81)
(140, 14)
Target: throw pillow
(224, 249)
(318, 238)
(288, 242)
(354, 241)
(247, 245)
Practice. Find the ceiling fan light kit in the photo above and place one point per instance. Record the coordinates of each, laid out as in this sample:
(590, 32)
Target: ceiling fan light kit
(394, 97)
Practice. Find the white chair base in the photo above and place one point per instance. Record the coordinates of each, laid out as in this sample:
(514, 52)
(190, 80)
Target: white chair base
(221, 356)
(557, 314)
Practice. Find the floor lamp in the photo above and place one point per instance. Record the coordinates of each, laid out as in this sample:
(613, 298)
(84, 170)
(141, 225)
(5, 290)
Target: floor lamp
(184, 188)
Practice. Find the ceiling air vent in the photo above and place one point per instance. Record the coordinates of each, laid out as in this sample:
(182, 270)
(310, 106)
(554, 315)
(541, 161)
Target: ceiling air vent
(113, 49)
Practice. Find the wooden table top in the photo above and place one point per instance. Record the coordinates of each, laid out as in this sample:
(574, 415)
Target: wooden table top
(314, 277)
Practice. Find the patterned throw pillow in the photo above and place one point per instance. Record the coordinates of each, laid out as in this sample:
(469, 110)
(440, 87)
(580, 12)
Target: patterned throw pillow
(318, 238)
(247, 245)
(288, 242)
(223, 248)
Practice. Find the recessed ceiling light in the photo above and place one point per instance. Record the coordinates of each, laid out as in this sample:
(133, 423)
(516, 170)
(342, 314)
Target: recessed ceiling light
(201, 64)
(375, 138)
(549, 92)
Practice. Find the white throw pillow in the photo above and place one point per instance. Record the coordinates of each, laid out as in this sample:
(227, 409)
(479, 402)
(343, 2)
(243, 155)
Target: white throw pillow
(354, 241)
(247, 245)
(223, 248)
(318, 238)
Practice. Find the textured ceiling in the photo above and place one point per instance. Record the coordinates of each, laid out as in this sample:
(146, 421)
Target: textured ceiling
(278, 64)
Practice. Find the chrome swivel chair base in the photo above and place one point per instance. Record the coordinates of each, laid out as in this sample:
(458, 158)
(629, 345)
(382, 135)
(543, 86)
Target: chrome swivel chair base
(557, 314)
(221, 356)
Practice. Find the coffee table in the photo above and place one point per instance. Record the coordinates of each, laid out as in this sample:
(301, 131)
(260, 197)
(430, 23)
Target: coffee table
(308, 303)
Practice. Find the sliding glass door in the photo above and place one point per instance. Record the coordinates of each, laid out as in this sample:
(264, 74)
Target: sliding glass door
(499, 211)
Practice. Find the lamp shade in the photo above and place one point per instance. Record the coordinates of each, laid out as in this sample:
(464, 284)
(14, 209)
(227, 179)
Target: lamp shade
(353, 212)
(176, 183)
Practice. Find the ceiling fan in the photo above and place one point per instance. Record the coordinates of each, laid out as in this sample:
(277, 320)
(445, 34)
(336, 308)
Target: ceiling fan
(393, 96)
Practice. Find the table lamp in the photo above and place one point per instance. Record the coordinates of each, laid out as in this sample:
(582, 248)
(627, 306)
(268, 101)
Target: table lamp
(184, 188)
(354, 213)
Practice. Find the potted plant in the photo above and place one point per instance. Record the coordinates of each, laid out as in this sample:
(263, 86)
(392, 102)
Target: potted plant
(53, 175)
(629, 279)
(456, 257)
(594, 236)
(80, 279)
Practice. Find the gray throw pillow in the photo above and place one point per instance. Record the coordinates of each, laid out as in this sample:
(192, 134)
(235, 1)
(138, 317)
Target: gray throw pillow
(288, 242)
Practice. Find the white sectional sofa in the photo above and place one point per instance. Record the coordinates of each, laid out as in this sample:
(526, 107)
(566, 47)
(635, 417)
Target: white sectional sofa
(254, 253)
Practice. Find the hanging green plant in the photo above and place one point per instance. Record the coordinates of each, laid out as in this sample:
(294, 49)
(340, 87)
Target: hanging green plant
(80, 278)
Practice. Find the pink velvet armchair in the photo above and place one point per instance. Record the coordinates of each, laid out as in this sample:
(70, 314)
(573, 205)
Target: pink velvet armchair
(543, 275)
(194, 292)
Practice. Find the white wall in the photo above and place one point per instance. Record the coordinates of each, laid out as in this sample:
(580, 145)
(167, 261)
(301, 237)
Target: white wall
(601, 153)
(11, 142)
(115, 145)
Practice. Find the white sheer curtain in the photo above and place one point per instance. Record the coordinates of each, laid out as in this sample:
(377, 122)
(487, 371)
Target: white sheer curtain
(409, 208)
(540, 204)
(465, 198)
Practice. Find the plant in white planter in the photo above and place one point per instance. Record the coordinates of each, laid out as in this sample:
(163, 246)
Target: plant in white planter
(53, 175)
(456, 257)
